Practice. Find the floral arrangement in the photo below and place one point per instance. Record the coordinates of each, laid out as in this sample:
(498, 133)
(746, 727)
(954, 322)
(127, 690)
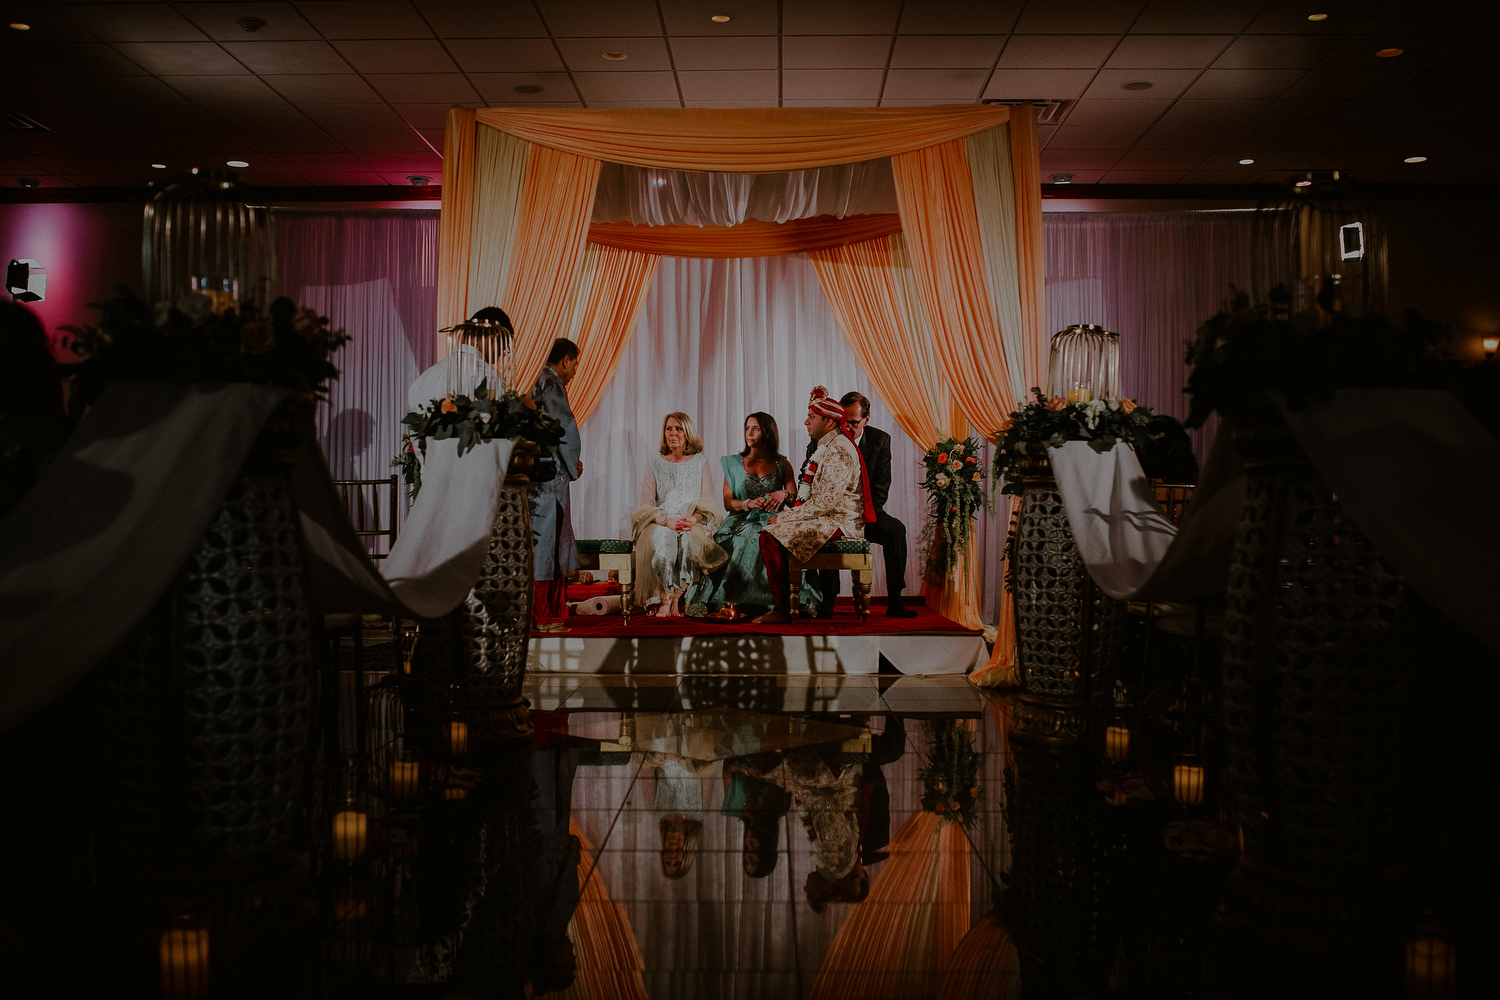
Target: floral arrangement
(188, 341)
(1159, 440)
(956, 488)
(408, 465)
(480, 418)
(950, 781)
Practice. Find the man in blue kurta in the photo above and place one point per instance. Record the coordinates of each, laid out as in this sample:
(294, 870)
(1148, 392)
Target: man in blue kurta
(551, 518)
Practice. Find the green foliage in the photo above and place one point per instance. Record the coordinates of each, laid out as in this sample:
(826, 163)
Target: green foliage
(1159, 440)
(408, 465)
(187, 341)
(482, 418)
(950, 781)
(956, 489)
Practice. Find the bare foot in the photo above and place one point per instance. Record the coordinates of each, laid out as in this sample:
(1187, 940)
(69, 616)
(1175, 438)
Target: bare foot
(772, 618)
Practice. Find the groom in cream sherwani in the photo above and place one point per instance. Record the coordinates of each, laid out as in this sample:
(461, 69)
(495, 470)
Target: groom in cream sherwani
(833, 501)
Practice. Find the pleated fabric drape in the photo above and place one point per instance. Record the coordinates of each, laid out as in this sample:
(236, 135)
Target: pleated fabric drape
(985, 966)
(609, 959)
(456, 225)
(501, 159)
(612, 286)
(752, 238)
(897, 943)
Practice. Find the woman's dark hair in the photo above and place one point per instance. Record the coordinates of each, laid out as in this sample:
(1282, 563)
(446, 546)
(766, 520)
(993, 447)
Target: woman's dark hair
(768, 434)
(29, 381)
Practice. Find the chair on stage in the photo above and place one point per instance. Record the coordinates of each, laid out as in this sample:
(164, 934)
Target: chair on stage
(852, 554)
(611, 554)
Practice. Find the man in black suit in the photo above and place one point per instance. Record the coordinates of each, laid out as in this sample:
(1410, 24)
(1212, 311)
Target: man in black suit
(886, 531)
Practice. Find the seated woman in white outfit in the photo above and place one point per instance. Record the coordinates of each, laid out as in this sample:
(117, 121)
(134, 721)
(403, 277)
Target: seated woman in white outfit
(679, 512)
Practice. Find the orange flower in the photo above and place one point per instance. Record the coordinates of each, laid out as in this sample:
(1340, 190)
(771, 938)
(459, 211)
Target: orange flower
(1056, 403)
(448, 405)
(1127, 404)
(943, 458)
(969, 461)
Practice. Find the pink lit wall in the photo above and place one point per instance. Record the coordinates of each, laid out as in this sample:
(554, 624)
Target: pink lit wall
(86, 250)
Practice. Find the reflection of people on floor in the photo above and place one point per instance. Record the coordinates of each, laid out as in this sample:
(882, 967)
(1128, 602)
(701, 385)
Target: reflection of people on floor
(672, 527)
(677, 800)
(554, 964)
(827, 795)
(875, 794)
(760, 806)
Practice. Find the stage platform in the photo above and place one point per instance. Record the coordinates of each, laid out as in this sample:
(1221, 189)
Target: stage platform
(926, 644)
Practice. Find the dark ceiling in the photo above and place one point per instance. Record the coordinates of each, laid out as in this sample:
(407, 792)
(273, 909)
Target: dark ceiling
(354, 92)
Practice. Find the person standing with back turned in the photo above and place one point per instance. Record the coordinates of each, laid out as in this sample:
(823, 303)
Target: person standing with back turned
(556, 554)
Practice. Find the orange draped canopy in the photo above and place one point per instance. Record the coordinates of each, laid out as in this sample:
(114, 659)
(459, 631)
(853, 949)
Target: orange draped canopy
(751, 238)
(743, 140)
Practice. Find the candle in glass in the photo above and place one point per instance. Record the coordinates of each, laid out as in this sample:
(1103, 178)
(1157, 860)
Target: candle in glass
(454, 794)
(184, 962)
(405, 778)
(350, 831)
(1187, 784)
(1431, 965)
(458, 737)
(1116, 743)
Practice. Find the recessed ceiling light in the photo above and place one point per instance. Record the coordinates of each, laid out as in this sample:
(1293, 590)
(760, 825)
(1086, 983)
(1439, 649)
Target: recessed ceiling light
(1388, 53)
(159, 166)
(1061, 178)
(19, 26)
(614, 56)
(1303, 184)
(1246, 163)
(1317, 17)
(1415, 159)
(1137, 85)
(720, 18)
(527, 88)
(235, 163)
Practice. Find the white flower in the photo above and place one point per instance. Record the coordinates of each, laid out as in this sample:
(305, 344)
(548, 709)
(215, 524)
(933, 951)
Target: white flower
(1092, 411)
(942, 481)
(958, 449)
(196, 306)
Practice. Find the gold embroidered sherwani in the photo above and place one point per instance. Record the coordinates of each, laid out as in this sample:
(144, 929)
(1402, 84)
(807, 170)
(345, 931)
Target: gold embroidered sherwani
(832, 502)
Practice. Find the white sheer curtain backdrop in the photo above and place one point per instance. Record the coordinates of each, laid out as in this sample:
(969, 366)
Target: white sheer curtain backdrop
(657, 197)
(718, 340)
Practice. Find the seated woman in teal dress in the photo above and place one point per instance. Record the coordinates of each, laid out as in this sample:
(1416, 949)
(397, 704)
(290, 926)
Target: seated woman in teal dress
(757, 483)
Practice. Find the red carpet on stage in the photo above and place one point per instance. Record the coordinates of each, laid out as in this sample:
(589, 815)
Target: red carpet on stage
(843, 622)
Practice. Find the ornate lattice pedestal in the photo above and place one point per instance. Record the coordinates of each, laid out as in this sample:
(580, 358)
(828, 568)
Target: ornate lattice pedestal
(203, 714)
(1068, 633)
(479, 650)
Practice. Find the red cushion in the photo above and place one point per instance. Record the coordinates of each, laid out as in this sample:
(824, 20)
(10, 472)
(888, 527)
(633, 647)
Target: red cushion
(585, 591)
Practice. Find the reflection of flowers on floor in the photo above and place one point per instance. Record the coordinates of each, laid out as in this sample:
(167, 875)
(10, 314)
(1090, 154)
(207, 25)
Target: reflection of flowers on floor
(1126, 788)
(1197, 839)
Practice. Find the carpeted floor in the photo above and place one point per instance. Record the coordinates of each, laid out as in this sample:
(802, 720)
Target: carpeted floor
(843, 622)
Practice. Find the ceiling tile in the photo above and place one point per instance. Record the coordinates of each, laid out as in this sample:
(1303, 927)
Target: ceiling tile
(1037, 84)
(1243, 84)
(1278, 51)
(88, 90)
(352, 116)
(223, 89)
(1187, 137)
(498, 88)
(585, 55)
(260, 116)
(1328, 84)
(330, 89)
(292, 140)
(956, 17)
(829, 102)
(1095, 137)
(134, 22)
(103, 164)
(1079, 159)
(1110, 84)
(1289, 17)
(1213, 112)
(220, 145)
(435, 136)
(946, 51)
(1167, 51)
(1143, 177)
(1162, 159)
(425, 116)
(364, 18)
(1446, 85)
(592, 18)
(176, 117)
(390, 55)
(483, 18)
(1239, 175)
(1079, 17)
(342, 179)
(627, 86)
(1285, 113)
(267, 178)
(1116, 112)
(423, 88)
(180, 58)
(1189, 17)
(283, 23)
(69, 59)
(506, 55)
(1057, 51)
(288, 57)
(835, 52)
(822, 84)
(744, 52)
(691, 17)
(423, 162)
(934, 84)
(382, 140)
(839, 17)
(49, 23)
(1460, 137)
(83, 142)
(730, 85)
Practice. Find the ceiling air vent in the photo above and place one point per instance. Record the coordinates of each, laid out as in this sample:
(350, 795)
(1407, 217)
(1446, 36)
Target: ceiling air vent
(1047, 112)
(14, 121)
